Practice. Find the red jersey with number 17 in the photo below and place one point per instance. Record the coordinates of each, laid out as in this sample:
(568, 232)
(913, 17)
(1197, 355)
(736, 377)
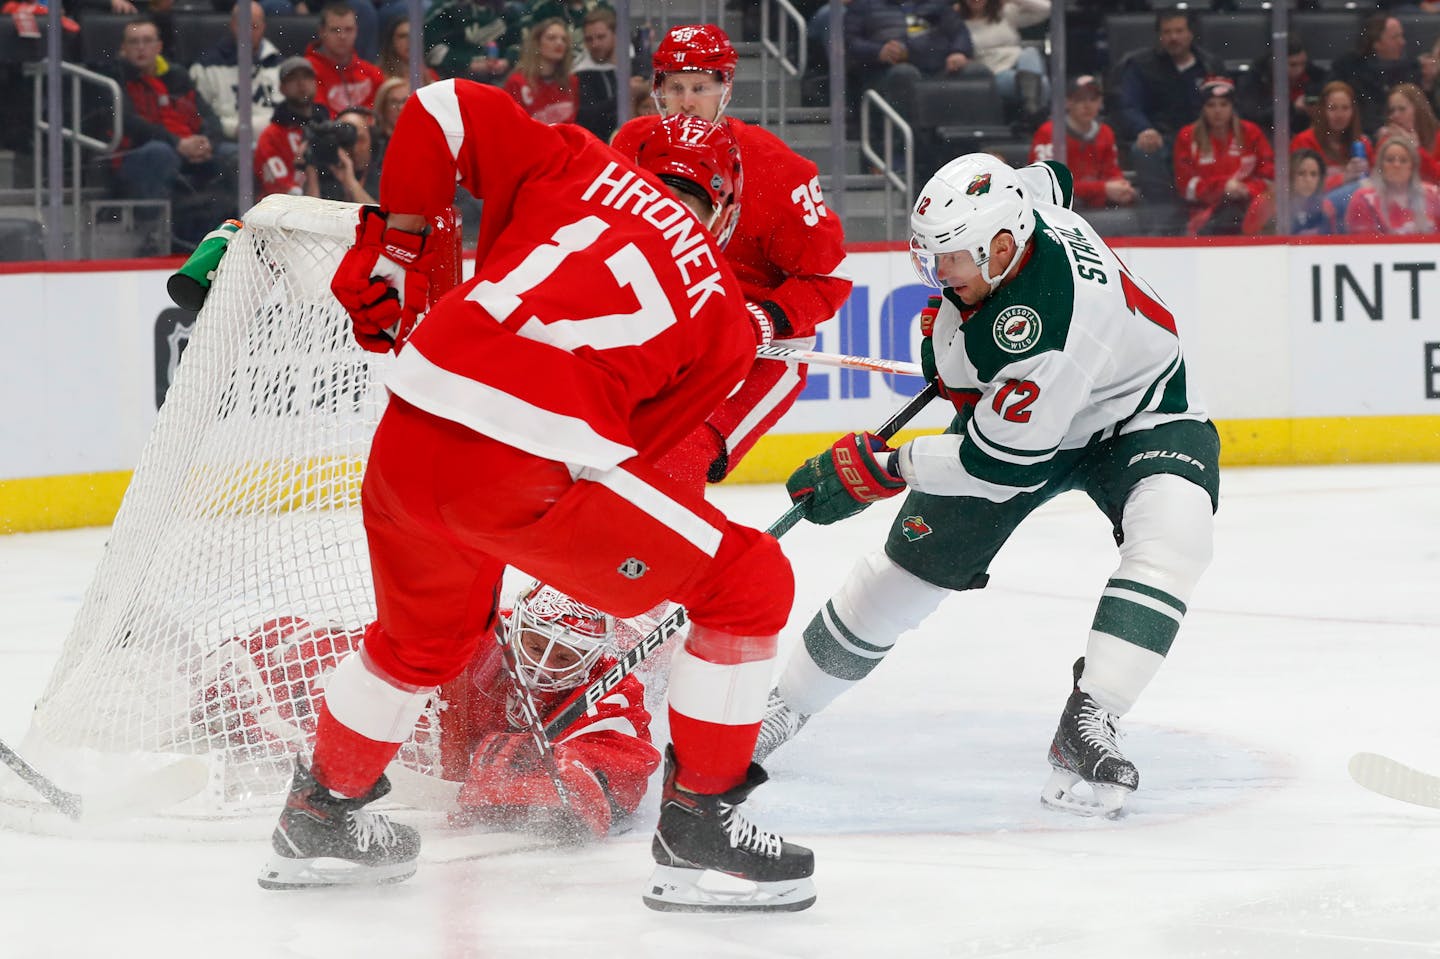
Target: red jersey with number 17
(602, 320)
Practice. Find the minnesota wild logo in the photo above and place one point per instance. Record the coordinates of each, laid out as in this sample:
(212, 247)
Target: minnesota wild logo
(979, 185)
(915, 527)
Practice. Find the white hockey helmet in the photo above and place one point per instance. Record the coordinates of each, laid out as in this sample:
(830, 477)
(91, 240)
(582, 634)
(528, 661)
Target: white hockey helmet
(565, 639)
(966, 204)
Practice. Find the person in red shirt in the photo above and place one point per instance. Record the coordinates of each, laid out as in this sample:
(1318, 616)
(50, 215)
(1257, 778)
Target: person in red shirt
(280, 146)
(344, 80)
(542, 82)
(1336, 136)
(1223, 167)
(1408, 114)
(1394, 200)
(1090, 150)
(788, 250)
(526, 414)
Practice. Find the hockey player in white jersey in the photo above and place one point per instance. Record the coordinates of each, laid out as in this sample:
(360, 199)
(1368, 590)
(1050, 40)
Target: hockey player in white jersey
(1067, 374)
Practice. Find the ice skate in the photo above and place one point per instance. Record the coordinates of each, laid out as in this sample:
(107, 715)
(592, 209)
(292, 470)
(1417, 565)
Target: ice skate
(324, 840)
(778, 727)
(1084, 750)
(708, 858)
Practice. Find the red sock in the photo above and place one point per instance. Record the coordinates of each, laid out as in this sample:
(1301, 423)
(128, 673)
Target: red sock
(345, 761)
(711, 757)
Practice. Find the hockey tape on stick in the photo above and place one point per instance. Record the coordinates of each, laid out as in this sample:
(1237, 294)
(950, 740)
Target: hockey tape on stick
(789, 354)
(890, 427)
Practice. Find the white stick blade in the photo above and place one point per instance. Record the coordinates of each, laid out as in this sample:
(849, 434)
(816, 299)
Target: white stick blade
(1385, 776)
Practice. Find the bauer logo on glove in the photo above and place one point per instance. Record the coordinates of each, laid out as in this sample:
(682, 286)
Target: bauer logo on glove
(844, 479)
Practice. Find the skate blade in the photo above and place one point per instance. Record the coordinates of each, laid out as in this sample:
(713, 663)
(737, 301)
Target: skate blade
(1105, 799)
(675, 889)
(282, 872)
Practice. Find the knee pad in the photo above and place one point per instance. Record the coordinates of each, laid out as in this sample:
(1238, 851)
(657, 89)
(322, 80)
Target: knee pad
(1168, 527)
(748, 588)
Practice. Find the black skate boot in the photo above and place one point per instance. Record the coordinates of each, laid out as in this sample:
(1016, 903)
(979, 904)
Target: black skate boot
(1084, 749)
(324, 840)
(778, 727)
(701, 833)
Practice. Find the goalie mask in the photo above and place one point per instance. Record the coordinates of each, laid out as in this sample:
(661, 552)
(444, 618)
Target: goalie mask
(557, 640)
(699, 158)
(965, 205)
(695, 48)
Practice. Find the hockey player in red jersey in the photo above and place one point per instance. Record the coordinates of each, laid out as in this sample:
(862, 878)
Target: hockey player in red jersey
(787, 249)
(526, 415)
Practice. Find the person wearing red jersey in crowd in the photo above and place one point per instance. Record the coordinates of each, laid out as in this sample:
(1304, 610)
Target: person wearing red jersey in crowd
(542, 82)
(1223, 167)
(281, 145)
(1090, 150)
(1393, 200)
(344, 79)
(1336, 136)
(526, 414)
(1408, 114)
(787, 250)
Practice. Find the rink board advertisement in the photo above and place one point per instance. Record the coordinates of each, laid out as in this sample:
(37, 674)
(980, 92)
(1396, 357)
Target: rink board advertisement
(1316, 352)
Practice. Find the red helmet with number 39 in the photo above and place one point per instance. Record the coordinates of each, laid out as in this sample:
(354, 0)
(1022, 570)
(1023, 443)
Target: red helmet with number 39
(700, 158)
(700, 47)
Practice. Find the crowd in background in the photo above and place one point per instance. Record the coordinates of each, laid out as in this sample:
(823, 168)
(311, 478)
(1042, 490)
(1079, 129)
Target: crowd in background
(1176, 136)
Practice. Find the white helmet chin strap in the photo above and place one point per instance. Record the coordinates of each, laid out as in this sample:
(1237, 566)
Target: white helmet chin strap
(996, 281)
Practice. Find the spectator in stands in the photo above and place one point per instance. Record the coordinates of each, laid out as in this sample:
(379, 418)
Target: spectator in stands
(892, 44)
(473, 39)
(1335, 134)
(1224, 167)
(1020, 73)
(395, 52)
(1159, 95)
(1253, 89)
(216, 74)
(573, 12)
(1090, 149)
(344, 79)
(388, 100)
(1408, 114)
(343, 179)
(1376, 65)
(1311, 214)
(542, 82)
(280, 147)
(1393, 200)
(367, 17)
(595, 75)
(172, 148)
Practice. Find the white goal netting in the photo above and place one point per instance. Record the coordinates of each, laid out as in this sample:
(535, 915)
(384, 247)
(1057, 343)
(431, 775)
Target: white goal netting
(236, 573)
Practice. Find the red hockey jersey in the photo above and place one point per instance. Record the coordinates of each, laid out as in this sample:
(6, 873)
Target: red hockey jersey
(788, 246)
(602, 320)
(1093, 162)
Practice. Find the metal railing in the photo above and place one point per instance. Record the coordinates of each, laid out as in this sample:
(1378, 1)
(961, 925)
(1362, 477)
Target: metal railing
(77, 77)
(778, 49)
(893, 122)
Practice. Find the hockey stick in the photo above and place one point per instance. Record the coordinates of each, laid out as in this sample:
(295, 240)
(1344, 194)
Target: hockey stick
(148, 793)
(790, 354)
(1385, 776)
(528, 709)
(67, 802)
(888, 429)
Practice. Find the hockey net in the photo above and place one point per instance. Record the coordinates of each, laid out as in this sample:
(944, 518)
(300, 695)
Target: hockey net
(236, 573)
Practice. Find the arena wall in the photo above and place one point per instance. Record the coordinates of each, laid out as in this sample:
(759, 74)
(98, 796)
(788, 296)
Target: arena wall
(1325, 351)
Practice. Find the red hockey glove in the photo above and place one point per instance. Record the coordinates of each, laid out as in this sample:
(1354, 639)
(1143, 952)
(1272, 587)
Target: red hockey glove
(381, 282)
(844, 479)
(928, 366)
(509, 786)
(761, 322)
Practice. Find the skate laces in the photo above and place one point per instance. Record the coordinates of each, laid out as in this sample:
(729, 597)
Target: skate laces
(368, 827)
(1097, 728)
(745, 835)
(779, 724)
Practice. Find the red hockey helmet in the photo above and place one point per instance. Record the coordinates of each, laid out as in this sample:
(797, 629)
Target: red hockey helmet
(700, 158)
(701, 47)
(557, 639)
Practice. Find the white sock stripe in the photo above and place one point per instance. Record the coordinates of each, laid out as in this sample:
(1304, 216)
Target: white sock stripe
(1149, 602)
(838, 634)
(698, 532)
(731, 695)
(365, 703)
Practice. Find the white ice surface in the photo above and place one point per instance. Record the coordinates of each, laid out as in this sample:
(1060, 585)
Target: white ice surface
(1315, 634)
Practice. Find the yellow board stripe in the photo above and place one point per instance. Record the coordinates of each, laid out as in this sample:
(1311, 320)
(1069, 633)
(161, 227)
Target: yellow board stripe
(92, 499)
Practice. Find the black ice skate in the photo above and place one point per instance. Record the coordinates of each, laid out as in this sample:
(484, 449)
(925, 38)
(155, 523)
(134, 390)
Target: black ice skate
(778, 727)
(323, 840)
(744, 869)
(1084, 750)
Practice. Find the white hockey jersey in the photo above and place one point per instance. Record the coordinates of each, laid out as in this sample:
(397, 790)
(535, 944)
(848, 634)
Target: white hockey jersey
(1072, 351)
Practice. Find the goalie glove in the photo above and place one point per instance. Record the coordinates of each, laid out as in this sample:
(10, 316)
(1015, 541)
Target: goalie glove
(381, 282)
(844, 479)
(509, 786)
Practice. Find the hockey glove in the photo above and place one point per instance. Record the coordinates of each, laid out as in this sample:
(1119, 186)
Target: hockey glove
(761, 322)
(381, 282)
(509, 786)
(928, 366)
(844, 479)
